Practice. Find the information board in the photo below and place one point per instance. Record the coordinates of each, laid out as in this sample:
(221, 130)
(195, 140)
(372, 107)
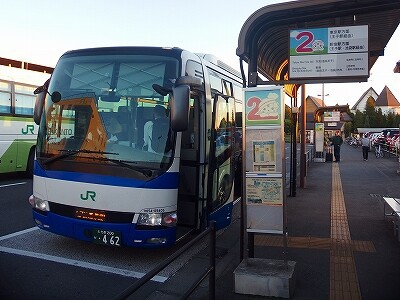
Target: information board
(329, 52)
(263, 159)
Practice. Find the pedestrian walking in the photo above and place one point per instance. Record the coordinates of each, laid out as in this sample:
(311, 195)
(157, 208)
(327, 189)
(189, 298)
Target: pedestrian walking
(337, 142)
(365, 146)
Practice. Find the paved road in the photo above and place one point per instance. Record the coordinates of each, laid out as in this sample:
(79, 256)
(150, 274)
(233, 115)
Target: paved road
(40, 265)
(64, 268)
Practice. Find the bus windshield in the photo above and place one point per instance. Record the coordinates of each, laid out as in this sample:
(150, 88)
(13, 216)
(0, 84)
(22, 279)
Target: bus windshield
(109, 112)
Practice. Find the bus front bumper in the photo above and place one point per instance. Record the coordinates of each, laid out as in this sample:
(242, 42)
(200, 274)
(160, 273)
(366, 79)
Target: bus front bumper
(124, 234)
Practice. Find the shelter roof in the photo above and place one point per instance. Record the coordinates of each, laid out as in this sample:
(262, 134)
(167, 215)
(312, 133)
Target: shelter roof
(263, 39)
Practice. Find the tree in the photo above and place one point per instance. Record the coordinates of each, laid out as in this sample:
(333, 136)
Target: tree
(370, 112)
(390, 117)
(348, 128)
(358, 120)
(366, 122)
(380, 120)
(288, 119)
(396, 121)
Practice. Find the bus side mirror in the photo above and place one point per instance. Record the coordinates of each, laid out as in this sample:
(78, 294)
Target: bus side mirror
(38, 109)
(180, 108)
(179, 103)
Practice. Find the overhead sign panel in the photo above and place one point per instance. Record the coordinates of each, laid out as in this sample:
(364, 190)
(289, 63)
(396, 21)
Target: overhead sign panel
(329, 52)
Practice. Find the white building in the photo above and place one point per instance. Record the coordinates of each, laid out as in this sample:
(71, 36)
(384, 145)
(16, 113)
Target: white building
(386, 101)
(362, 102)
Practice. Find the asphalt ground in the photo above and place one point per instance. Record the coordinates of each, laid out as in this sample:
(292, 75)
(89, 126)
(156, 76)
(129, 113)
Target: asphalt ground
(343, 246)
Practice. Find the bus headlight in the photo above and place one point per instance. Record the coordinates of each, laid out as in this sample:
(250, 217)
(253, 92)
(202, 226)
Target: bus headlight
(38, 203)
(156, 219)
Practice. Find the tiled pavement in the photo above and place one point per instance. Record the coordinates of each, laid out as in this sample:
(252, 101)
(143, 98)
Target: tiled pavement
(343, 246)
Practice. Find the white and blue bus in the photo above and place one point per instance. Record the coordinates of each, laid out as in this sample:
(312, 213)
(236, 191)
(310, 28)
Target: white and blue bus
(109, 171)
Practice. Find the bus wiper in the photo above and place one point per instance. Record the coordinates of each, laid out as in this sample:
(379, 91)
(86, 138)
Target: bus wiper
(145, 172)
(67, 153)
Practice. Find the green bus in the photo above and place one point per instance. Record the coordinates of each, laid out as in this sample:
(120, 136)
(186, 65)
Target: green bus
(18, 131)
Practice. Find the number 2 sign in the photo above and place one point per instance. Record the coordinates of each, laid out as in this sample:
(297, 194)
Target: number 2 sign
(263, 106)
(309, 41)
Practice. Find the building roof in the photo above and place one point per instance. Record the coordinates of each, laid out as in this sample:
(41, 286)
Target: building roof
(317, 101)
(370, 91)
(263, 39)
(386, 98)
(25, 65)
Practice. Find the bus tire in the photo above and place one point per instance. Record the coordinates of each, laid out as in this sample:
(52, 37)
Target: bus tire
(29, 163)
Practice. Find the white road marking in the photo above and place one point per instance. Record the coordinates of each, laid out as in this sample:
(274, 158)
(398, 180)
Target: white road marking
(12, 184)
(72, 262)
(11, 235)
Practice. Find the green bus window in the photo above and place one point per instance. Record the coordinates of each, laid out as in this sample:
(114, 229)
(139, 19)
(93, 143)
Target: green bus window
(24, 104)
(5, 103)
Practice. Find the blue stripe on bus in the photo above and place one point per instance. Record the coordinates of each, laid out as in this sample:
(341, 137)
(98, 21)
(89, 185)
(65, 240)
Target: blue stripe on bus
(222, 216)
(169, 180)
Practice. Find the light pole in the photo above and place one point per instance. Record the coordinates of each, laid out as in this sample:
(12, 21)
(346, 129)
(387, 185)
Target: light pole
(323, 93)
(397, 70)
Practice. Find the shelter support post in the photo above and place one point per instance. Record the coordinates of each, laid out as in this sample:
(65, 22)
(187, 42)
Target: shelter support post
(293, 173)
(303, 127)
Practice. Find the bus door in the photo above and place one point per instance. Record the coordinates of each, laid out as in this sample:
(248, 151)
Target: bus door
(221, 168)
(189, 195)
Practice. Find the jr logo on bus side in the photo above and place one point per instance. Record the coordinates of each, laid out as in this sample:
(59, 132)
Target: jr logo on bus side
(89, 194)
(29, 129)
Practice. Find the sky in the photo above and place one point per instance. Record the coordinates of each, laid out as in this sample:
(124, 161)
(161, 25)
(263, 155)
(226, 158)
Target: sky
(41, 31)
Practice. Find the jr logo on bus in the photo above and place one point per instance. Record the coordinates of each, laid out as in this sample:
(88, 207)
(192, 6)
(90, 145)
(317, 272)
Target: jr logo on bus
(89, 195)
(29, 129)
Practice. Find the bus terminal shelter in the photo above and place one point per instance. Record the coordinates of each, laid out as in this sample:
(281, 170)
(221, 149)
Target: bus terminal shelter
(264, 43)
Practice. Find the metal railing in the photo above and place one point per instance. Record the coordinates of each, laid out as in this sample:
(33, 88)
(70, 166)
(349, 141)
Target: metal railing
(386, 148)
(210, 271)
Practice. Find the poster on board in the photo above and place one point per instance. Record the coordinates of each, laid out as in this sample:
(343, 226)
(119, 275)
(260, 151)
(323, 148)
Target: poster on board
(263, 150)
(264, 191)
(264, 156)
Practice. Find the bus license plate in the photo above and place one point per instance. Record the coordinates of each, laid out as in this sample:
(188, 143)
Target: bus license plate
(107, 237)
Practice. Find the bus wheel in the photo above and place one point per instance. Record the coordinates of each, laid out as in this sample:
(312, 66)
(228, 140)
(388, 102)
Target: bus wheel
(29, 164)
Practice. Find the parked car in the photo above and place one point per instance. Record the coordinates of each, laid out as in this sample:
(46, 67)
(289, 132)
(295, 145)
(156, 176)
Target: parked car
(383, 137)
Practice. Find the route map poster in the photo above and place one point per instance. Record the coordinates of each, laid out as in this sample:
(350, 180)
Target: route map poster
(264, 156)
(267, 191)
(264, 149)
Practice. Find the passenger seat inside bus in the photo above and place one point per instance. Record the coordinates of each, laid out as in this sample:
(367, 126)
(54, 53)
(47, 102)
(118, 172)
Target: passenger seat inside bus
(143, 115)
(123, 119)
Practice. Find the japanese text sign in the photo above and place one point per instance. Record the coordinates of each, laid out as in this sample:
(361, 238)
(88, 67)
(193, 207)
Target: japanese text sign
(329, 52)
